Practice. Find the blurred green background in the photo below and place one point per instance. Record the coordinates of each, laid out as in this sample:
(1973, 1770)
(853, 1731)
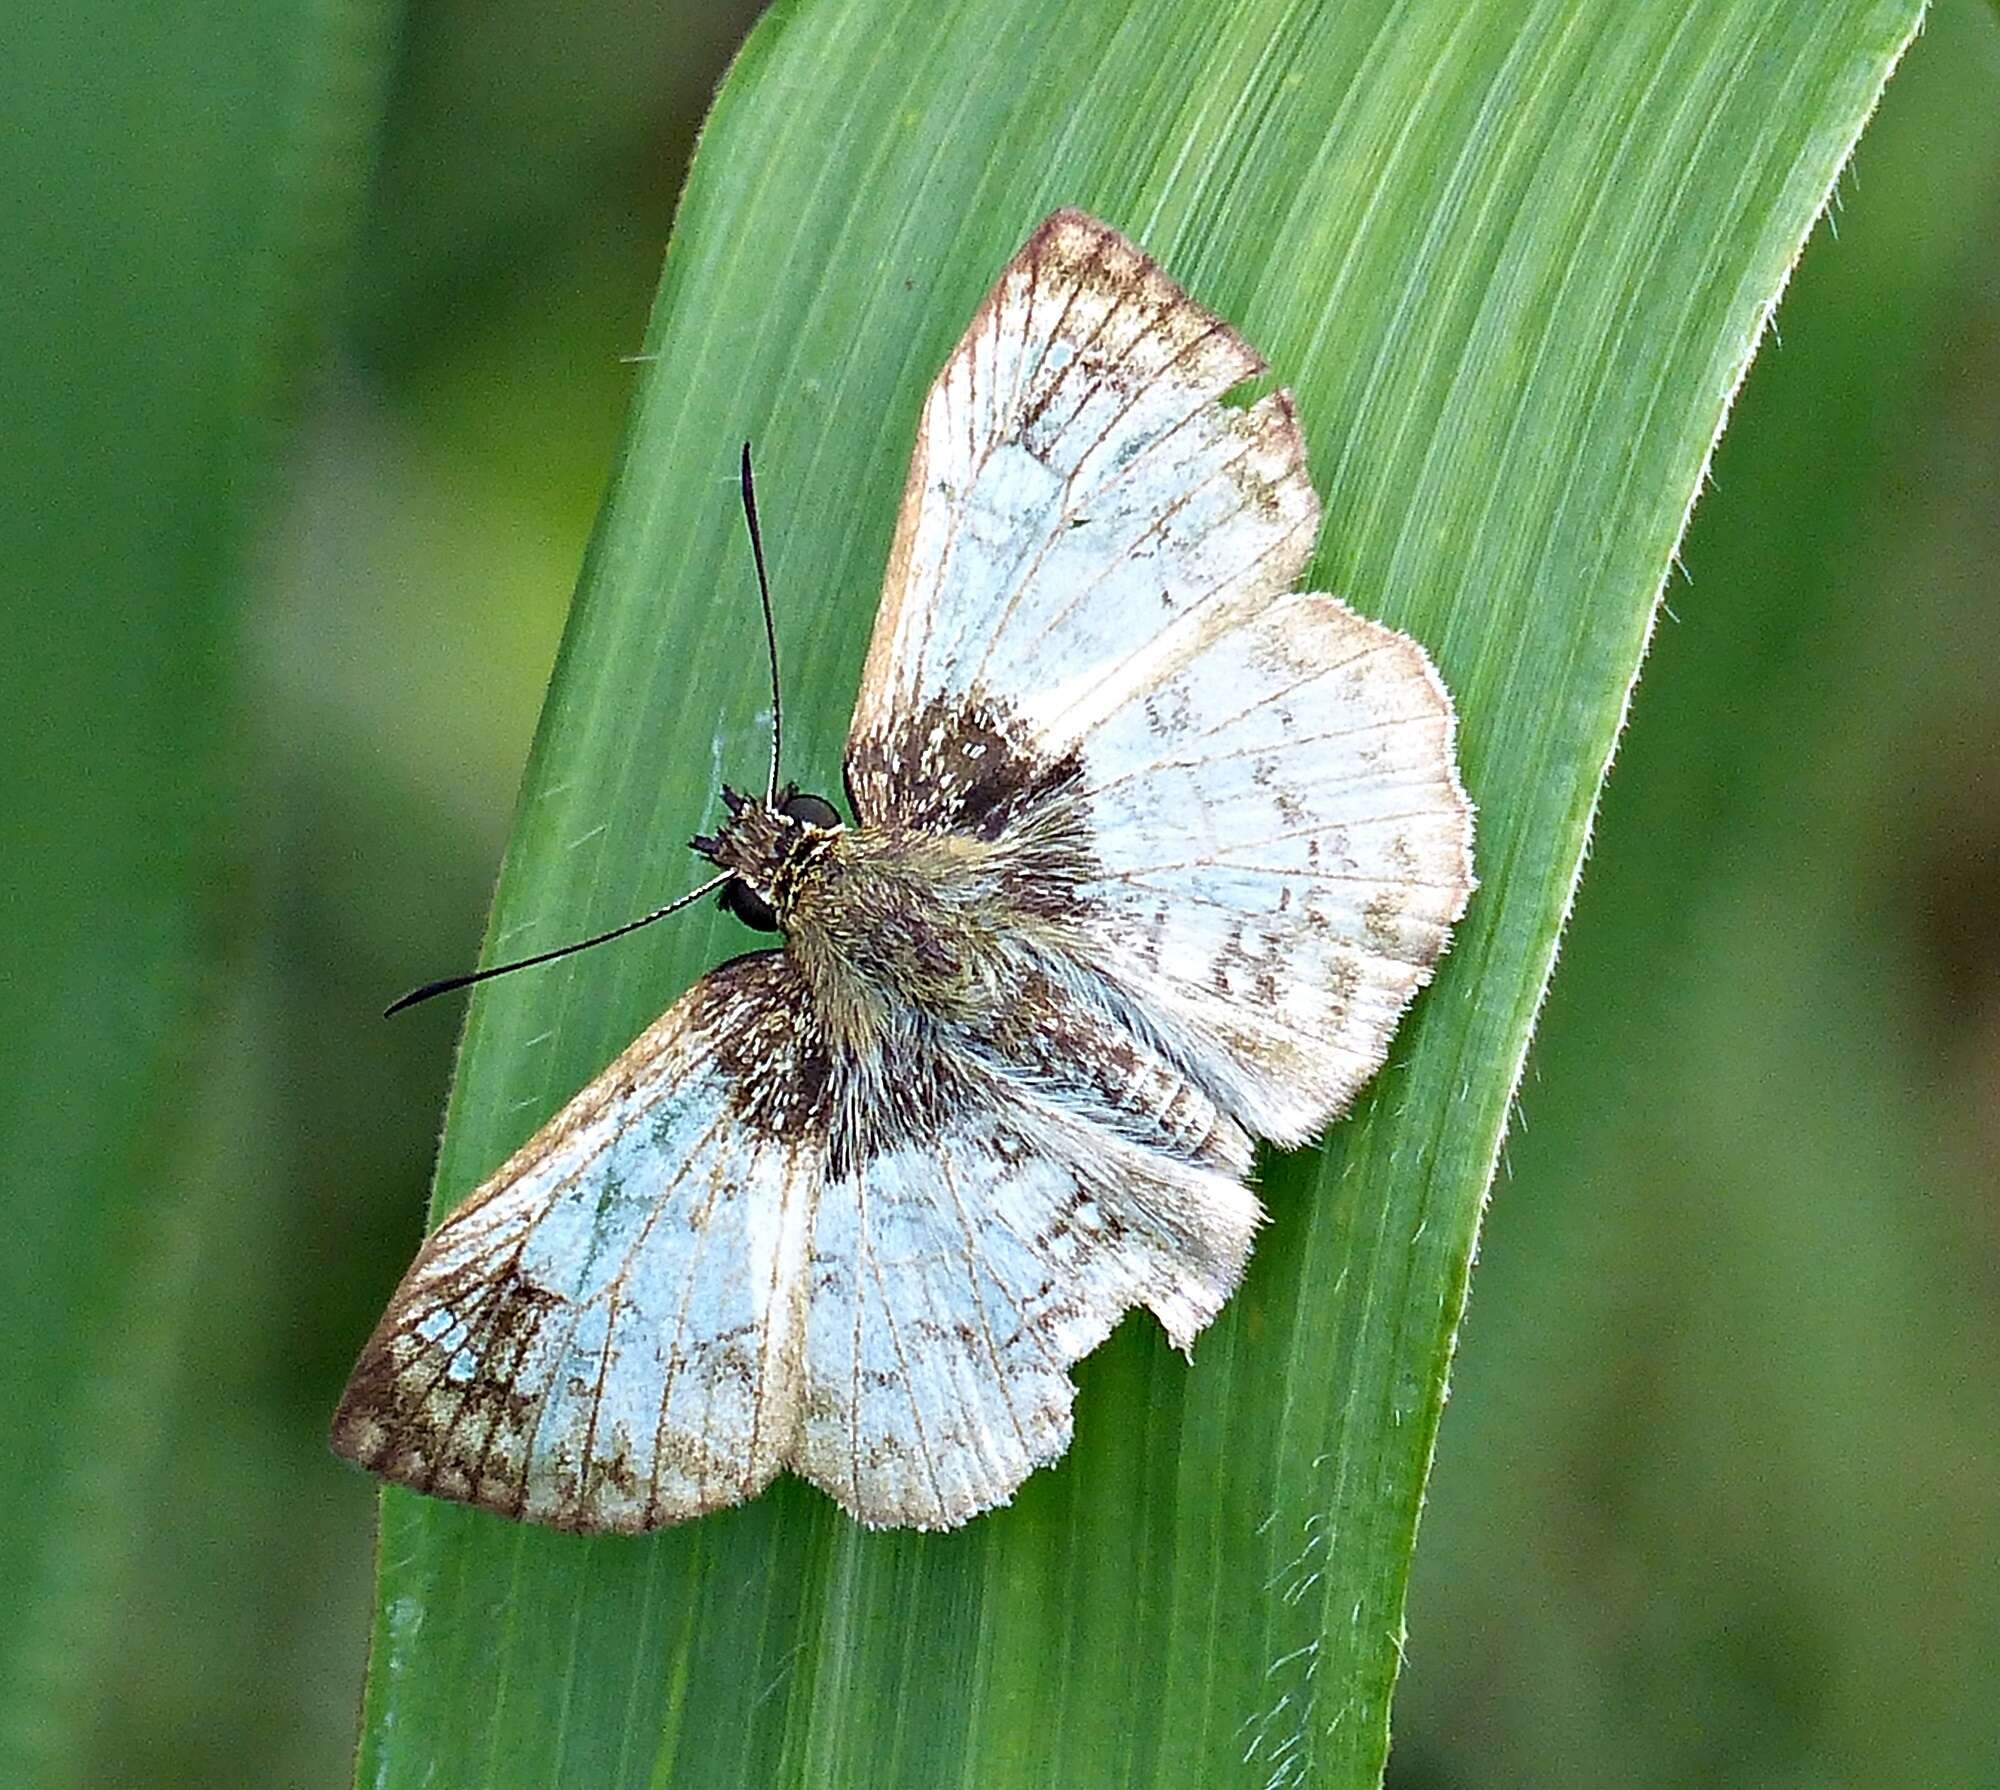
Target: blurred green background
(305, 449)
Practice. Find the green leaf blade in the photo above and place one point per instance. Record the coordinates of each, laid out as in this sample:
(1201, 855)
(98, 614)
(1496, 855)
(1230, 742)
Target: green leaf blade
(1513, 262)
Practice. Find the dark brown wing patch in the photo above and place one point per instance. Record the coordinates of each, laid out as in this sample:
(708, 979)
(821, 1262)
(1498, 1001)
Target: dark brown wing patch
(958, 764)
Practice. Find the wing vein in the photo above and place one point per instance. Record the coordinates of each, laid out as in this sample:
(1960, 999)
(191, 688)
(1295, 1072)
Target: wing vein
(979, 1303)
(1266, 750)
(1220, 862)
(1157, 526)
(1071, 510)
(903, 1364)
(675, 1360)
(1183, 620)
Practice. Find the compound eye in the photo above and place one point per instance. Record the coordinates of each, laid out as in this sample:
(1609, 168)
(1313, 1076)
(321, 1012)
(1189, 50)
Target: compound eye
(814, 811)
(747, 905)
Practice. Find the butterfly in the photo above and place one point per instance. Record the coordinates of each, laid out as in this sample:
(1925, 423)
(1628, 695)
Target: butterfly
(1149, 852)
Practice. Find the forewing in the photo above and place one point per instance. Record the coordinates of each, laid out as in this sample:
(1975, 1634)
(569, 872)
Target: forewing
(1080, 514)
(956, 1277)
(608, 1334)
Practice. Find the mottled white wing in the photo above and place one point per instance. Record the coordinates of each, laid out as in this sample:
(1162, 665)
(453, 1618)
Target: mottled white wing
(608, 1334)
(957, 1276)
(1089, 599)
(1283, 848)
(1079, 508)
(680, 1287)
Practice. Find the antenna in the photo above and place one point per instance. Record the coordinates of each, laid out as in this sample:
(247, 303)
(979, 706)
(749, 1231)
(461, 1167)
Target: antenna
(449, 983)
(770, 625)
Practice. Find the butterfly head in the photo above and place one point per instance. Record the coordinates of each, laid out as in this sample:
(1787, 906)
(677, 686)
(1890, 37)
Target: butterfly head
(766, 847)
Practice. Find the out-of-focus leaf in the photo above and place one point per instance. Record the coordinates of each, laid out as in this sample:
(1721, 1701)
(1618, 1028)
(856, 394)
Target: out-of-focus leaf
(175, 182)
(521, 124)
